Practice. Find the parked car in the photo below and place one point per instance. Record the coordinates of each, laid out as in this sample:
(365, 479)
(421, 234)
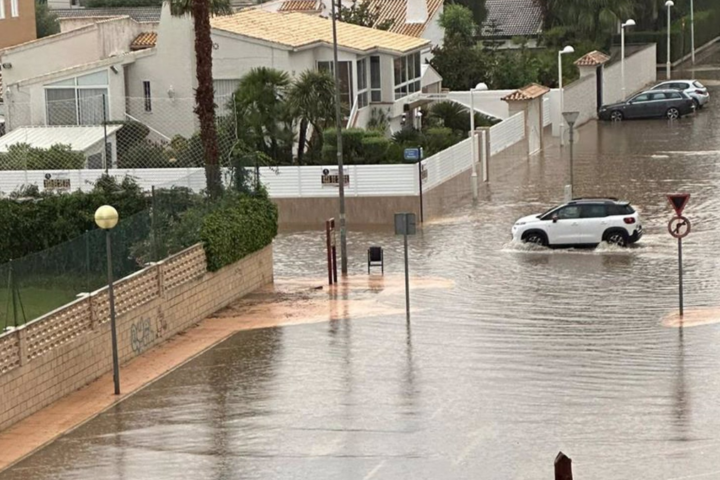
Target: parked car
(692, 88)
(671, 104)
(581, 222)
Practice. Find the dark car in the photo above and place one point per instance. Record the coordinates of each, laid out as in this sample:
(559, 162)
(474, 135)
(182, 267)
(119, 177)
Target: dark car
(670, 104)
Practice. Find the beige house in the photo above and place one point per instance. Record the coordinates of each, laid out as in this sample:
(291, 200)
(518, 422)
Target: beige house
(17, 22)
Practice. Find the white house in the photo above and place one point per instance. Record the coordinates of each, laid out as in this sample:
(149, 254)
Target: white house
(115, 69)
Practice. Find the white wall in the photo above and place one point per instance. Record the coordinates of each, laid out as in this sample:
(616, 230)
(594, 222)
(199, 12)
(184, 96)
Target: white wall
(433, 32)
(72, 23)
(640, 70)
(487, 102)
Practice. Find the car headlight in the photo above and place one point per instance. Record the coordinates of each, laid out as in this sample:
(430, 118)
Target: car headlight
(520, 224)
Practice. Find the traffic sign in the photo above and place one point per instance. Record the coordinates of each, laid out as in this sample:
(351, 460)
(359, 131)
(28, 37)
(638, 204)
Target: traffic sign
(678, 201)
(412, 154)
(679, 227)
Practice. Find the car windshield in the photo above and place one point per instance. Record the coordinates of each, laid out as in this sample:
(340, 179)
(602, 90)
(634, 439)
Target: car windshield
(548, 211)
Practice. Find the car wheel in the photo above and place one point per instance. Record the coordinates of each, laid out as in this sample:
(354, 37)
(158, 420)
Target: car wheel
(697, 104)
(535, 238)
(617, 238)
(673, 113)
(616, 116)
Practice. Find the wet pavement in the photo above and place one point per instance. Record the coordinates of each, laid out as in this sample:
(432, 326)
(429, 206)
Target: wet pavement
(517, 354)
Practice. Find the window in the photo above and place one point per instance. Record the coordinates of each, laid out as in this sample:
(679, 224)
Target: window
(14, 8)
(640, 98)
(569, 212)
(375, 85)
(148, 96)
(362, 83)
(407, 75)
(223, 91)
(620, 210)
(78, 101)
(698, 84)
(674, 95)
(2, 9)
(660, 96)
(345, 74)
(594, 211)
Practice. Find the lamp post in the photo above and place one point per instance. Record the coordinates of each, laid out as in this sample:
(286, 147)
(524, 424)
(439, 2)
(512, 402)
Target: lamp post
(338, 130)
(564, 51)
(692, 31)
(473, 142)
(669, 4)
(629, 23)
(571, 118)
(106, 217)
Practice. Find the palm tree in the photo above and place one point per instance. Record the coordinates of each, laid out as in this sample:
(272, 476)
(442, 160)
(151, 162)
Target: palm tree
(263, 116)
(312, 100)
(201, 10)
(594, 19)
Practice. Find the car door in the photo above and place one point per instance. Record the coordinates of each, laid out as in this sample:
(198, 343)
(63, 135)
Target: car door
(657, 104)
(636, 107)
(593, 223)
(566, 229)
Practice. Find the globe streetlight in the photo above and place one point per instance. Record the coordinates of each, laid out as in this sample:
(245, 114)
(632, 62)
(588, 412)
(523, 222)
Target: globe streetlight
(629, 23)
(473, 144)
(106, 217)
(564, 51)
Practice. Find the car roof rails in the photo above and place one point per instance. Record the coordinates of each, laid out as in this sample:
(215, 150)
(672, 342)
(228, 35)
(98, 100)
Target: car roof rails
(596, 198)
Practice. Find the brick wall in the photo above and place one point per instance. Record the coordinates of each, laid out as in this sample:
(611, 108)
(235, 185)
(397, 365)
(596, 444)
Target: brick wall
(70, 347)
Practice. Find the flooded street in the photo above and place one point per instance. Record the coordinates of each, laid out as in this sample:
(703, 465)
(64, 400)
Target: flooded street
(515, 354)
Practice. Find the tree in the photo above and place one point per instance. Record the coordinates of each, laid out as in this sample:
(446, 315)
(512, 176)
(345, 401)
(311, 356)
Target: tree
(263, 116)
(200, 10)
(45, 20)
(459, 26)
(365, 14)
(477, 8)
(594, 20)
(312, 99)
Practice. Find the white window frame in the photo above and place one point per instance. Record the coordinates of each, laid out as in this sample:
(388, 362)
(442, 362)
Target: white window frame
(2, 9)
(77, 87)
(411, 73)
(14, 8)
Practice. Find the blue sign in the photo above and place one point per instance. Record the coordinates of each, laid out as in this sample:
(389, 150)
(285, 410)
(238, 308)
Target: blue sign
(412, 154)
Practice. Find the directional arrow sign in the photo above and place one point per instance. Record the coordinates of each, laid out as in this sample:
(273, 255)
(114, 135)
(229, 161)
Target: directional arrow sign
(678, 201)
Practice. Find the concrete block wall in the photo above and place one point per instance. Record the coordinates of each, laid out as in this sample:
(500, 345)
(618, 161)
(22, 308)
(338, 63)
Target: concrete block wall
(65, 364)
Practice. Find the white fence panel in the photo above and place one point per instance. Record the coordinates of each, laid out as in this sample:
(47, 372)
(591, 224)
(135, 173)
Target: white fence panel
(385, 180)
(447, 164)
(507, 133)
(547, 119)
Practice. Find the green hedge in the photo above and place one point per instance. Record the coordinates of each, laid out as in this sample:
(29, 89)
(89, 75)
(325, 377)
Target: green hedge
(707, 28)
(240, 226)
(22, 156)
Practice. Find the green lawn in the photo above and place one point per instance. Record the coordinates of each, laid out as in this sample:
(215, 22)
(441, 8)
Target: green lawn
(35, 301)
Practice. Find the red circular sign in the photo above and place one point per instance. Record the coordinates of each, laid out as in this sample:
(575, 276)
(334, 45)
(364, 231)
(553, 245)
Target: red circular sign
(679, 227)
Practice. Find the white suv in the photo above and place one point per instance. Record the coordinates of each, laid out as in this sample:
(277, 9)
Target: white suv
(583, 221)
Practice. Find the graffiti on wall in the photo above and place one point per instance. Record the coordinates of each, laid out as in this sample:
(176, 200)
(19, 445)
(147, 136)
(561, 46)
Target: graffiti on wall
(141, 335)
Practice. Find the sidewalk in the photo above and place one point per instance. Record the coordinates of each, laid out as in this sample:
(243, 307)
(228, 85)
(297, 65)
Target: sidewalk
(288, 302)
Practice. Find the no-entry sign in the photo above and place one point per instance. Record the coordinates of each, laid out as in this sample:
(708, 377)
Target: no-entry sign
(679, 227)
(678, 201)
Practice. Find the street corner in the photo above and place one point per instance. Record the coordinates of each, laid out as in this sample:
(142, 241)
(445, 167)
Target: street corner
(695, 317)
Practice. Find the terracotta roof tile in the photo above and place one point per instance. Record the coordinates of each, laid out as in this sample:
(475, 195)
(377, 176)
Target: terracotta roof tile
(298, 30)
(299, 6)
(528, 92)
(396, 10)
(144, 40)
(592, 59)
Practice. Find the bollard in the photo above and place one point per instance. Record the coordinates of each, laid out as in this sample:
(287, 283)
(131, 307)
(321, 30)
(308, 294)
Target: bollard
(563, 467)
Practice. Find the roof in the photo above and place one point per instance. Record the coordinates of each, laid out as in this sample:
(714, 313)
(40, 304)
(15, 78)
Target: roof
(79, 138)
(592, 59)
(516, 18)
(139, 14)
(297, 30)
(396, 10)
(299, 6)
(144, 40)
(528, 92)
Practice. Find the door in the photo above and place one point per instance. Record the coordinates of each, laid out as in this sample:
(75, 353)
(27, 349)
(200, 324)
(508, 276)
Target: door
(566, 230)
(599, 86)
(638, 106)
(593, 223)
(657, 104)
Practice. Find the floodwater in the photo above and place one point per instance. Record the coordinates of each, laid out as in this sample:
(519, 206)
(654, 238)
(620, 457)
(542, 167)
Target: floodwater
(523, 353)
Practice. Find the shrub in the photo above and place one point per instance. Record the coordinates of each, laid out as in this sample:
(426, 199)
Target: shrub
(22, 156)
(240, 226)
(374, 149)
(438, 139)
(144, 154)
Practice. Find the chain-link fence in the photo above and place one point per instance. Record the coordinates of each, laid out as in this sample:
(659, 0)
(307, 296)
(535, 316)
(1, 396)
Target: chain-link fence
(41, 282)
(91, 130)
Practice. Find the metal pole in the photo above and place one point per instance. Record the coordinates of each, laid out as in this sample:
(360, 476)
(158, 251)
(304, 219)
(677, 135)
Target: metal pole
(156, 249)
(105, 134)
(420, 187)
(572, 139)
(680, 272)
(338, 128)
(622, 58)
(668, 65)
(562, 98)
(407, 277)
(12, 294)
(692, 30)
(473, 177)
(113, 329)
(328, 242)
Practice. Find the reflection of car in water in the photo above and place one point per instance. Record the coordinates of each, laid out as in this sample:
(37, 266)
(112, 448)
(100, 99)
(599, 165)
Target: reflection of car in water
(581, 222)
(671, 104)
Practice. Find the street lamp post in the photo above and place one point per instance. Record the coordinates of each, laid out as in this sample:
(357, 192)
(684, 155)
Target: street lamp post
(564, 51)
(338, 130)
(571, 118)
(106, 217)
(473, 141)
(629, 23)
(669, 4)
(692, 31)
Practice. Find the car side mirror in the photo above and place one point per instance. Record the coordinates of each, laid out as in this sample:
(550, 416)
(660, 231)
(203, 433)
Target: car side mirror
(555, 218)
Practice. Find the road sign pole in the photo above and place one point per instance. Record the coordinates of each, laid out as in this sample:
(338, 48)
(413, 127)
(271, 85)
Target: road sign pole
(421, 193)
(680, 272)
(407, 275)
